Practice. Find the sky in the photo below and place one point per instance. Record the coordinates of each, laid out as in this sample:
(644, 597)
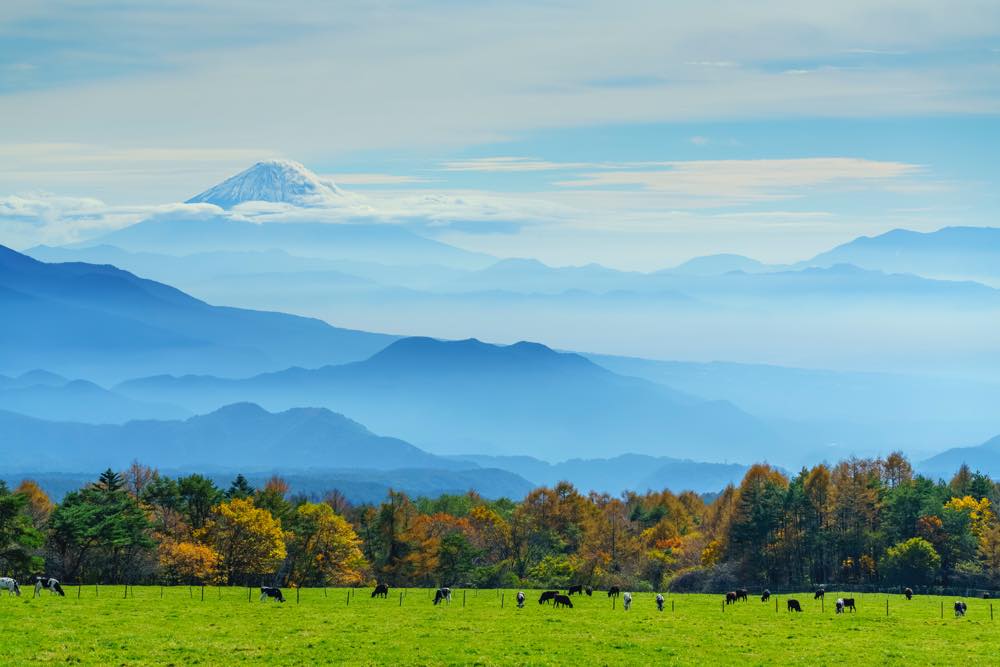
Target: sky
(633, 134)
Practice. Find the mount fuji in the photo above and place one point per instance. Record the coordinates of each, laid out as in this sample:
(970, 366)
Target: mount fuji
(277, 181)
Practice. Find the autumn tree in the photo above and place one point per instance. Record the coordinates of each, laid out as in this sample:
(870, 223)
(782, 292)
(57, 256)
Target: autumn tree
(18, 536)
(190, 563)
(324, 549)
(248, 539)
(910, 563)
(39, 506)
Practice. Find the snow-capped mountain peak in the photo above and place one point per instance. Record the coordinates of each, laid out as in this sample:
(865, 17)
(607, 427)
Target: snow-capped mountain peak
(280, 181)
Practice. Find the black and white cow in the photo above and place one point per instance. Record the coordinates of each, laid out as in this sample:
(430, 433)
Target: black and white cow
(840, 605)
(442, 595)
(271, 592)
(627, 601)
(765, 596)
(381, 591)
(48, 583)
(659, 601)
(960, 608)
(10, 585)
(520, 599)
(589, 591)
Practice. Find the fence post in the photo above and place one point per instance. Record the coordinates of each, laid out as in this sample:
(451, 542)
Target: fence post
(348, 598)
(991, 611)
(126, 592)
(401, 598)
(501, 601)
(942, 608)
(324, 591)
(671, 606)
(248, 593)
(463, 598)
(297, 589)
(96, 592)
(161, 591)
(886, 605)
(79, 588)
(203, 592)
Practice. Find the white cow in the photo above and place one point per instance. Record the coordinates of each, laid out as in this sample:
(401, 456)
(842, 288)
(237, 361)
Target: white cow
(659, 601)
(627, 601)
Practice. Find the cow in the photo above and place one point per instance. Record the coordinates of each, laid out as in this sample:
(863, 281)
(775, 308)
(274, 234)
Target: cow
(627, 601)
(820, 594)
(546, 596)
(840, 605)
(589, 591)
(849, 604)
(908, 592)
(743, 594)
(442, 594)
(381, 591)
(271, 592)
(793, 605)
(48, 583)
(520, 599)
(574, 589)
(10, 585)
(731, 597)
(659, 601)
(960, 608)
(765, 596)
(986, 595)
(614, 592)
(562, 601)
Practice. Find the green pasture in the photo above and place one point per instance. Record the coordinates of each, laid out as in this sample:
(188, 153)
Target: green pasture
(176, 626)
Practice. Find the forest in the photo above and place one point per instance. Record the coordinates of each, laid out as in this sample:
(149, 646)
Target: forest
(861, 522)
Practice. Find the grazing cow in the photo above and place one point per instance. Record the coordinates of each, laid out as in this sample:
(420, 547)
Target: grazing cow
(48, 583)
(659, 601)
(10, 585)
(743, 594)
(381, 591)
(627, 601)
(986, 595)
(793, 605)
(520, 599)
(442, 594)
(820, 594)
(765, 596)
(849, 604)
(546, 596)
(614, 592)
(562, 601)
(840, 605)
(908, 592)
(589, 591)
(960, 608)
(731, 597)
(574, 589)
(271, 592)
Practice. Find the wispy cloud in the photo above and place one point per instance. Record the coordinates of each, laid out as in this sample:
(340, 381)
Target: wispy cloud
(375, 179)
(735, 181)
(516, 164)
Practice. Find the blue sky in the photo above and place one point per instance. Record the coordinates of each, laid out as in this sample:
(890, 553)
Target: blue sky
(635, 134)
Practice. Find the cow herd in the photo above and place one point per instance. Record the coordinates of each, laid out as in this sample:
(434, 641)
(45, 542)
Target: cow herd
(51, 584)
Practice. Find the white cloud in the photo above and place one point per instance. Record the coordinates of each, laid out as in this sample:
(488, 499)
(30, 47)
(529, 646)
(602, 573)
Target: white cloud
(742, 181)
(375, 179)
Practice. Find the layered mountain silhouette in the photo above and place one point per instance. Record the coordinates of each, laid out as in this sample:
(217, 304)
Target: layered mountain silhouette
(241, 436)
(50, 396)
(102, 323)
(471, 396)
(951, 252)
(985, 458)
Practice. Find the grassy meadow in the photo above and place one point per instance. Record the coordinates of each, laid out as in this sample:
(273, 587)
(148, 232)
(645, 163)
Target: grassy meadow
(174, 626)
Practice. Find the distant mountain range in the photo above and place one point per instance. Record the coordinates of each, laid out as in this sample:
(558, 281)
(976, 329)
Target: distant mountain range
(471, 396)
(241, 436)
(103, 323)
(613, 475)
(951, 252)
(49, 396)
(984, 458)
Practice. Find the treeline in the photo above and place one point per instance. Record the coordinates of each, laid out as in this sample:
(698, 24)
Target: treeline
(862, 521)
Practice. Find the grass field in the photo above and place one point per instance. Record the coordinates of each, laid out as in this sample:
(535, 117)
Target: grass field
(180, 628)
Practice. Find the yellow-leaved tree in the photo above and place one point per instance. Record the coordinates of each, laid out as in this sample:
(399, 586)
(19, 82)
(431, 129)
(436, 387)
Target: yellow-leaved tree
(324, 548)
(190, 562)
(248, 538)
